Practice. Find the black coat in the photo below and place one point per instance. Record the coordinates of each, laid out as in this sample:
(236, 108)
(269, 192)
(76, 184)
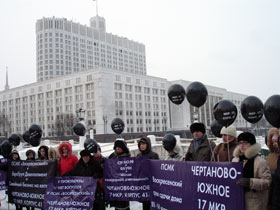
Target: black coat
(275, 191)
(92, 169)
(148, 152)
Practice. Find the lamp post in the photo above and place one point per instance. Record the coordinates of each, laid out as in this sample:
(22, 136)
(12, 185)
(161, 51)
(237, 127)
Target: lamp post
(105, 123)
(164, 120)
(81, 114)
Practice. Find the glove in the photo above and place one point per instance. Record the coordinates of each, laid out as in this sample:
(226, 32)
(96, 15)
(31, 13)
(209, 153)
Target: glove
(244, 182)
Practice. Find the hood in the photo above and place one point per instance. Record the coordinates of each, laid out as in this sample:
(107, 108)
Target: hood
(30, 151)
(271, 132)
(46, 151)
(52, 153)
(252, 151)
(146, 141)
(68, 146)
(122, 144)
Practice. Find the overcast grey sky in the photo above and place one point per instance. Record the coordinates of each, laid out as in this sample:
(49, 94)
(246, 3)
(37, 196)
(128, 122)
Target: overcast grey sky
(233, 44)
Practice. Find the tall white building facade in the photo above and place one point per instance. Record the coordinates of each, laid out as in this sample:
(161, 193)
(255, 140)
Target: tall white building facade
(64, 47)
(141, 101)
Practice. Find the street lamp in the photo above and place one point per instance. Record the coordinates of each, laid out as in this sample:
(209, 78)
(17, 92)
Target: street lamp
(164, 120)
(81, 114)
(105, 123)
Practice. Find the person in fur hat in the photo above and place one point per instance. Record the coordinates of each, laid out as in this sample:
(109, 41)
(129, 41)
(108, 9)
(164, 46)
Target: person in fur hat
(224, 151)
(200, 149)
(274, 165)
(43, 153)
(256, 174)
(53, 154)
(120, 151)
(174, 150)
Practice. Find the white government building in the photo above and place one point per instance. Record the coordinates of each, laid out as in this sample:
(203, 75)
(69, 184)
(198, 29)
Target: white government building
(85, 67)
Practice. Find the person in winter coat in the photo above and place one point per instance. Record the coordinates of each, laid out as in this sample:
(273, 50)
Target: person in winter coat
(15, 155)
(99, 202)
(43, 153)
(53, 154)
(256, 174)
(30, 154)
(145, 149)
(224, 151)
(67, 160)
(200, 149)
(120, 151)
(171, 145)
(274, 165)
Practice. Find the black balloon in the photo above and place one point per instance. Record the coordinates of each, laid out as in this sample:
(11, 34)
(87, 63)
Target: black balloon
(216, 128)
(26, 136)
(117, 125)
(272, 110)
(6, 148)
(252, 109)
(14, 139)
(79, 129)
(90, 145)
(196, 94)
(225, 112)
(176, 93)
(35, 132)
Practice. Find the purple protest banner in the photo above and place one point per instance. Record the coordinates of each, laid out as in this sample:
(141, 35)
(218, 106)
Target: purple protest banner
(28, 181)
(3, 176)
(126, 179)
(196, 185)
(73, 193)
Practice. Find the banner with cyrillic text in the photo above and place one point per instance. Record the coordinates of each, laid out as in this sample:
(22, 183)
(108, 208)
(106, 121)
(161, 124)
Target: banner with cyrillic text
(126, 179)
(28, 180)
(3, 174)
(70, 193)
(195, 185)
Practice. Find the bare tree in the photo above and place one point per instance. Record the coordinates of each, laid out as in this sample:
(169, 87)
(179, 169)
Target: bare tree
(64, 123)
(5, 126)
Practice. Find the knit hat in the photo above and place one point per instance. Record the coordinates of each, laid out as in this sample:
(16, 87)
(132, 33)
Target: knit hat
(230, 131)
(197, 127)
(121, 144)
(246, 136)
(84, 153)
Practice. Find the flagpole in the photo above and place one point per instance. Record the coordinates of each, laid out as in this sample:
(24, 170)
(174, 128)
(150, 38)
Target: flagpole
(96, 8)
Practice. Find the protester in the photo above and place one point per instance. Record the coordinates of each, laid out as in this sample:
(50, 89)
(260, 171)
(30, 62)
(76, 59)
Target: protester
(171, 145)
(67, 160)
(274, 165)
(145, 150)
(15, 155)
(43, 153)
(99, 194)
(201, 148)
(224, 151)
(120, 151)
(30, 154)
(256, 174)
(53, 154)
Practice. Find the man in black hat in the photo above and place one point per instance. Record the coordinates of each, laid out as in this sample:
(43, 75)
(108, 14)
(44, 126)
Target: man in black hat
(201, 148)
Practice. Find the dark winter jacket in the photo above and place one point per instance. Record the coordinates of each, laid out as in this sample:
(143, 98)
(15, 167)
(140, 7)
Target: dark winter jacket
(148, 152)
(119, 204)
(203, 152)
(66, 163)
(92, 169)
(46, 151)
(256, 197)
(220, 153)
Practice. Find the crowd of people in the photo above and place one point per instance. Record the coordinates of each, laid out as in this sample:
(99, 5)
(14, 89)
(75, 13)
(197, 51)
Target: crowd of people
(261, 178)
